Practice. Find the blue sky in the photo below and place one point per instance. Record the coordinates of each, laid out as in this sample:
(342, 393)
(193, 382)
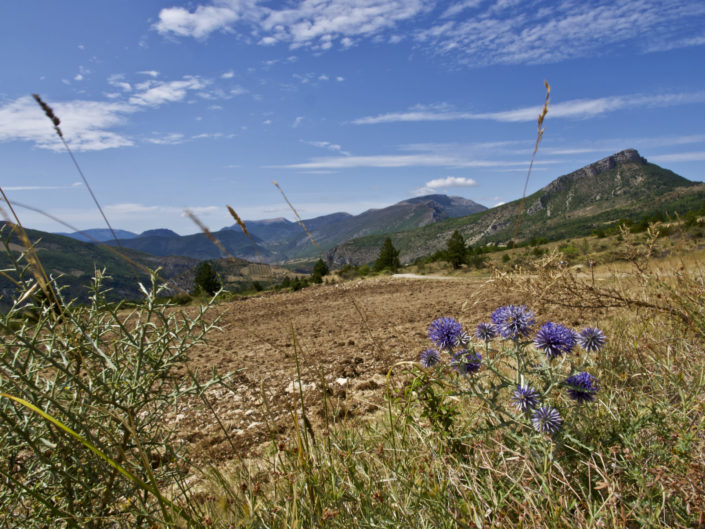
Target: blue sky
(348, 104)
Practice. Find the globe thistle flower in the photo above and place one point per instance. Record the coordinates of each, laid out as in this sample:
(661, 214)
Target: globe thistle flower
(525, 398)
(513, 322)
(546, 420)
(582, 387)
(430, 357)
(485, 332)
(591, 339)
(554, 339)
(466, 362)
(444, 332)
(463, 339)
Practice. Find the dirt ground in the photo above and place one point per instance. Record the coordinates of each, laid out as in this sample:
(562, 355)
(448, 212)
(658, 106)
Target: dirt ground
(350, 333)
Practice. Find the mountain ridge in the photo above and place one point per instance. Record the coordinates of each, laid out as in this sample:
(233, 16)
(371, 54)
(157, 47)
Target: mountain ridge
(620, 185)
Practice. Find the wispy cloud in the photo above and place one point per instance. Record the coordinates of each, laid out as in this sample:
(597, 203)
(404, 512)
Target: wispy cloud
(327, 145)
(312, 23)
(476, 32)
(665, 45)
(85, 124)
(155, 93)
(576, 109)
(88, 125)
(402, 160)
(511, 32)
(696, 156)
(42, 188)
(173, 138)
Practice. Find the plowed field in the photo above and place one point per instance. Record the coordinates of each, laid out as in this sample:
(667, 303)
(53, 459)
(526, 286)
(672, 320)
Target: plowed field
(348, 334)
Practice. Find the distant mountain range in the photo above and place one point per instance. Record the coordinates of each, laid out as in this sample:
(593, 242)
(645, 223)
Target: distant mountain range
(623, 185)
(280, 240)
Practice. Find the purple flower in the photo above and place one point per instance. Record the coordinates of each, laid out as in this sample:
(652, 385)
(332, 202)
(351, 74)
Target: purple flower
(485, 332)
(591, 339)
(444, 332)
(430, 357)
(466, 362)
(513, 322)
(525, 398)
(582, 387)
(554, 339)
(463, 339)
(546, 420)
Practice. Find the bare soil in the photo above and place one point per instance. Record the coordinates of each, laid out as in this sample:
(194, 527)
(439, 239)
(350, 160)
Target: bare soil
(347, 334)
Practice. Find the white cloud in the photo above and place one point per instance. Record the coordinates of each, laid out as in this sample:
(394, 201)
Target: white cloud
(577, 109)
(173, 138)
(84, 124)
(42, 188)
(118, 81)
(696, 156)
(297, 121)
(88, 125)
(432, 186)
(459, 7)
(511, 32)
(238, 91)
(451, 181)
(476, 32)
(666, 45)
(201, 22)
(401, 160)
(78, 77)
(228, 75)
(155, 93)
(312, 23)
(150, 73)
(327, 145)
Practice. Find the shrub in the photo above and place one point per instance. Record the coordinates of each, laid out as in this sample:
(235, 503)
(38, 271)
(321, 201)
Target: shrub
(83, 436)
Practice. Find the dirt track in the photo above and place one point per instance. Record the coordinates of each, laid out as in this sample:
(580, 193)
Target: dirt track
(351, 332)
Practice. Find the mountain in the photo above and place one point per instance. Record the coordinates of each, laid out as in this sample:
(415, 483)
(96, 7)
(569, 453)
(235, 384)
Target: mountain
(76, 262)
(279, 240)
(197, 246)
(98, 234)
(623, 185)
(158, 233)
(288, 241)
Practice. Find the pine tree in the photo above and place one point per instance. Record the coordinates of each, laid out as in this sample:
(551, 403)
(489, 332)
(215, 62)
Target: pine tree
(456, 252)
(320, 269)
(206, 279)
(388, 257)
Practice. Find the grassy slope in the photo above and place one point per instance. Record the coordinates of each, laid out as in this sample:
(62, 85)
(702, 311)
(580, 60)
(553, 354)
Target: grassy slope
(567, 211)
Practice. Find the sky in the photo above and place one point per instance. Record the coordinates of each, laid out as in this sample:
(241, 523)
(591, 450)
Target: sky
(349, 105)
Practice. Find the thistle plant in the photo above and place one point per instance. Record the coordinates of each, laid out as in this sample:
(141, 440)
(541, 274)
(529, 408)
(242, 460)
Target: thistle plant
(526, 380)
(83, 397)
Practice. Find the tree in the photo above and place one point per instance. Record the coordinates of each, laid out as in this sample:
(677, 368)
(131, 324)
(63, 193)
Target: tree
(388, 257)
(206, 279)
(457, 251)
(320, 269)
